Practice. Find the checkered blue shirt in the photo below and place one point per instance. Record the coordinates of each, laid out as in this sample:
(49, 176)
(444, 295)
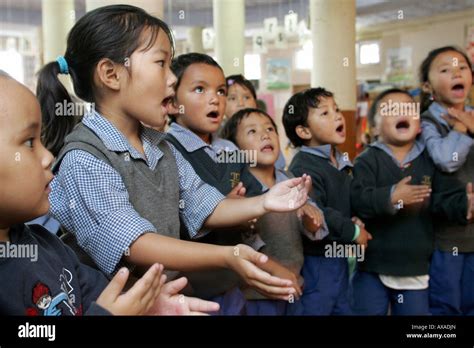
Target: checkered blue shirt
(90, 199)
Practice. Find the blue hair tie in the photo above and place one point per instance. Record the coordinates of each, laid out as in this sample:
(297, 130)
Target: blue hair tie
(63, 67)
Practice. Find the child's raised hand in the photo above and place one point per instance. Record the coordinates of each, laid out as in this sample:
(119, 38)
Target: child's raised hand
(288, 195)
(460, 120)
(136, 301)
(406, 194)
(247, 262)
(170, 302)
(237, 192)
(470, 202)
(312, 217)
(364, 237)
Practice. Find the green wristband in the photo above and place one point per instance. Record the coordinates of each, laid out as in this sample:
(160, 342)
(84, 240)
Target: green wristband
(357, 232)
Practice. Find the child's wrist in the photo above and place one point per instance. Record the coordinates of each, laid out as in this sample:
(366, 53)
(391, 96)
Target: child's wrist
(263, 210)
(228, 253)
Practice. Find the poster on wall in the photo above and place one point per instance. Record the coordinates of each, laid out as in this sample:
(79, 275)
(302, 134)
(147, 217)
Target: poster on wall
(470, 42)
(278, 73)
(399, 66)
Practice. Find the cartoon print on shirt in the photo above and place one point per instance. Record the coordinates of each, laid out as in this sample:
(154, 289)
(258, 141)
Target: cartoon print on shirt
(48, 305)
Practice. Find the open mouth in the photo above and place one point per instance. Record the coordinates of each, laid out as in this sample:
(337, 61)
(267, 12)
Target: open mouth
(340, 129)
(403, 125)
(166, 101)
(267, 148)
(213, 114)
(458, 90)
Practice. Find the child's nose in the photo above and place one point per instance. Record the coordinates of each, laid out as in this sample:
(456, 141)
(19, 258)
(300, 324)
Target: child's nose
(456, 72)
(47, 158)
(214, 98)
(171, 79)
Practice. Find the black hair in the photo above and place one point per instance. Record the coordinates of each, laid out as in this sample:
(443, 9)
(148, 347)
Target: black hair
(112, 32)
(241, 80)
(425, 67)
(375, 104)
(184, 61)
(229, 131)
(296, 111)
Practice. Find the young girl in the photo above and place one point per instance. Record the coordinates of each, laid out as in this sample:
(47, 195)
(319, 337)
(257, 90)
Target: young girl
(448, 128)
(119, 188)
(49, 279)
(255, 130)
(241, 95)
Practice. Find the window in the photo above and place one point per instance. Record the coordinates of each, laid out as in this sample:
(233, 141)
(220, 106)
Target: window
(369, 52)
(12, 63)
(304, 57)
(252, 67)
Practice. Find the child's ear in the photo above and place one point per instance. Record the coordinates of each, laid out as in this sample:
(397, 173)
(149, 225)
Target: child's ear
(303, 132)
(108, 74)
(426, 87)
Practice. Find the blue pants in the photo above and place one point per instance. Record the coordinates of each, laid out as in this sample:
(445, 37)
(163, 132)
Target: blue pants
(266, 307)
(372, 297)
(326, 283)
(231, 303)
(452, 283)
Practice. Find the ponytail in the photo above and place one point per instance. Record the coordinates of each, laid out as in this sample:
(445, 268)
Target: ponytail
(52, 94)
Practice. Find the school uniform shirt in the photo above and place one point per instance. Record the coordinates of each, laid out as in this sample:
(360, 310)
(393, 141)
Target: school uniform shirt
(45, 278)
(191, 143)
(376, 172)
(443, 149)
(89, 197)
(331, 192)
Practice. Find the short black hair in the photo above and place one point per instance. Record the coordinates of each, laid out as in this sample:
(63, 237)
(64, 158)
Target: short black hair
(229, 131)
(375, 105)
(241, 80)
(296, 111)
(184, 61)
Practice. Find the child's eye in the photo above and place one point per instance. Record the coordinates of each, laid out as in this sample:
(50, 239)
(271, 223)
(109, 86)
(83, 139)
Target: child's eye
(463, 67)
(338, 110)
(325, 113)
(247, 97)
(221, 92)
(199, 89)
(29, 142)
(444, 70)
(161, 63)
(251, 131)
(231, 98)
(271, 129)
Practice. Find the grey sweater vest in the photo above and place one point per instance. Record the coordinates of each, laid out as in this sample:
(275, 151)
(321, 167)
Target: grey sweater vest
(153, 193)
(281, 233)
(451, 237)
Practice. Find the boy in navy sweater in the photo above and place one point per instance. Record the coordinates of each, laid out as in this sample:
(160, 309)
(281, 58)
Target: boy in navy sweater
(391, 191)
(313, 122)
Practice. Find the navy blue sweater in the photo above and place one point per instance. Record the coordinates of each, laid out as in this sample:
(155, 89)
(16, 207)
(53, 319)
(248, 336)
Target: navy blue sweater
(50, 281)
